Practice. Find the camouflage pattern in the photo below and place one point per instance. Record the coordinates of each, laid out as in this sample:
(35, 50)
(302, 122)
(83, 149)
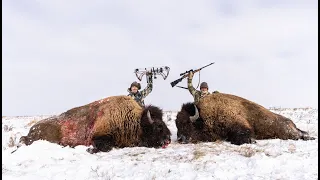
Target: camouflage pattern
(196, 93)
(140, 95)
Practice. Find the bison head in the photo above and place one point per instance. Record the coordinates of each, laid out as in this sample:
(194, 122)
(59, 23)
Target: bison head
(188, 123)
(155, 131)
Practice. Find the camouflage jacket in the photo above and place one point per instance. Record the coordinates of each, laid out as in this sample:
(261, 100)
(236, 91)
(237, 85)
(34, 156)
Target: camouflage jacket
(197, 95)
(140, 95)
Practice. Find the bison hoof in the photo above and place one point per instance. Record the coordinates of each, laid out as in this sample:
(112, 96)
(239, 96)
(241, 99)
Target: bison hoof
(92, 150)
(242, 140)
(306, 138)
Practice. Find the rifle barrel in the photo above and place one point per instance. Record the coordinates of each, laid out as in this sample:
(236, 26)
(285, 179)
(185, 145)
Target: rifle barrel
(205, 66)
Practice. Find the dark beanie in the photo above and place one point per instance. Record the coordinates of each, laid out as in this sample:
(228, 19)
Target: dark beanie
(136, 84)
(204, 85)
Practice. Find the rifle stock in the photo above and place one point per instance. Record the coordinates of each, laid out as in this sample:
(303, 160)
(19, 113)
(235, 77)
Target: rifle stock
(173, 83)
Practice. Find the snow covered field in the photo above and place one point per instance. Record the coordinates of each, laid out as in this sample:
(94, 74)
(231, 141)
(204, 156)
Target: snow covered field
(268, 159)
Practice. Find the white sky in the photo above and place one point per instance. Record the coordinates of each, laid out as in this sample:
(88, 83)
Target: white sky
(61, 54)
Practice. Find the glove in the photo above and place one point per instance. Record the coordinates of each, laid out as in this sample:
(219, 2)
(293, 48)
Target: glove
(150, 78)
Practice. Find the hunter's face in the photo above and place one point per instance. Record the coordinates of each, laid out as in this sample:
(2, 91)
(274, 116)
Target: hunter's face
(134, 89)
(204, 90)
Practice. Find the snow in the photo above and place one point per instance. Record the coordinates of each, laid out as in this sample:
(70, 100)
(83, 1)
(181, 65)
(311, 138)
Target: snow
(267, 159)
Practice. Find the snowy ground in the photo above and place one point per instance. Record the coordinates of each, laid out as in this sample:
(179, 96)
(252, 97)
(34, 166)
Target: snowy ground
(268, 159)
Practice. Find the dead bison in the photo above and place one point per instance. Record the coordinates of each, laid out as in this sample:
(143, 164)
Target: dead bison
(116, 121)
(228, 117)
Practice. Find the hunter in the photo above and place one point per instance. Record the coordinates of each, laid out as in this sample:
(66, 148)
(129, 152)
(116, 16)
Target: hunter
(197, 95)
(140, 95)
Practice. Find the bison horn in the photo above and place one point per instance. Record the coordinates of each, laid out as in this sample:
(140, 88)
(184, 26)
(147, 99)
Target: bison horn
(196, 116)
(149, 117)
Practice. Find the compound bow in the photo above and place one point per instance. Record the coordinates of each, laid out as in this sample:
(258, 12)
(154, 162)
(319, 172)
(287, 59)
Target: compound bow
(152, 72)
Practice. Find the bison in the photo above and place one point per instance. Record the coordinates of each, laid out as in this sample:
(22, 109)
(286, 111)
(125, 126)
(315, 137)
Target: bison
(221, 116)
(116, 121)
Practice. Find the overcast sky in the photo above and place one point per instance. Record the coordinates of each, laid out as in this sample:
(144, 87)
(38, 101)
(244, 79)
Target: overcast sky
(60, 54)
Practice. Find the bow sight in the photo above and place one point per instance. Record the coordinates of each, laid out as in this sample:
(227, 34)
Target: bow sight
(152, 72)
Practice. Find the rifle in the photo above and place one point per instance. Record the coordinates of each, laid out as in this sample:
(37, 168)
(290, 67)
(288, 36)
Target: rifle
(152, 72)
(185, 74)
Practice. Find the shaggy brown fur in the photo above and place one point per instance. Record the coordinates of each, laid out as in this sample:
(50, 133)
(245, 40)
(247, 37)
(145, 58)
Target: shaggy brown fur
(116, 121)
(239, 120)
(121, 120)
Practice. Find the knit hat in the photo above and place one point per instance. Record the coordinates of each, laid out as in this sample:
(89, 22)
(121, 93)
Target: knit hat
(136, 84)
(204, 85)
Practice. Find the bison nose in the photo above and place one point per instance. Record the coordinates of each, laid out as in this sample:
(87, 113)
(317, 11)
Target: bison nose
(169, 139)
(182, 139)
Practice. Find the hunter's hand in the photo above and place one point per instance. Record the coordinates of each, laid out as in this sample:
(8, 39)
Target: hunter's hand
(190, 75)
(150, 79)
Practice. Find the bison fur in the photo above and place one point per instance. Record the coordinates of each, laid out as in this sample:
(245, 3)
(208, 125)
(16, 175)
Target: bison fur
(116, 121)
(232, 118)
